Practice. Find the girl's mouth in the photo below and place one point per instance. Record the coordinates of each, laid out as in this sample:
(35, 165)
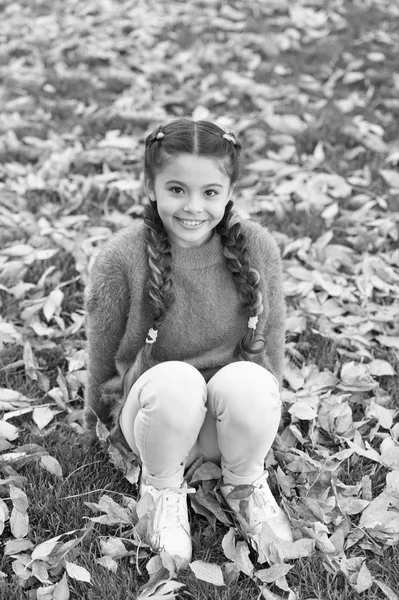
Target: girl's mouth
(190, 223)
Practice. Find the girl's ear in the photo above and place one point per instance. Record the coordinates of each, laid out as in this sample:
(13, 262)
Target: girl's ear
(149, 189)
(229, 195)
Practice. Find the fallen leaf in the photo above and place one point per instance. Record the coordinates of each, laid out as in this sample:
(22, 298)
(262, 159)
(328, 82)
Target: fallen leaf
(51, 465)
(61, 589)
(240, 492)
(242, 559)
(391, 177)
(8, 431)
(392, 488)
(364, 579)
(44, 549)
(109, 563)
(294, 376)
(7, 395)
(391, 341)
(167, 589)
(383, 415)
(380, 367)
(113, 547)
(291, 124)
(231, 573)
(19, 566)
(45, 593)
(77, 572)
(228, 544)
(209, 572)
(17, 250)
(207, 470)
(292, 550)
(389, 593)
(350, 505)
(19, 499)
(19, 523)
(273, 573)
(53, 304)
(16, 546)
(390, 453)
(302, 411)
(39, 570)
(42, 415)
(356, 376)
(31, 364)
(370, 453)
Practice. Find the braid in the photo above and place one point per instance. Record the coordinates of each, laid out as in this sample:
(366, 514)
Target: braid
(160, 266)
(245, 278)
(159, 285)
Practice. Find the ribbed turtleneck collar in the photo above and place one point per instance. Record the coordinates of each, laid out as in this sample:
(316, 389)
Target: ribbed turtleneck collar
(198, 257)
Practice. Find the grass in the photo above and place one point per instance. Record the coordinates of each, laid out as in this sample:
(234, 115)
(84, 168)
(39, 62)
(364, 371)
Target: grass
(57, 506)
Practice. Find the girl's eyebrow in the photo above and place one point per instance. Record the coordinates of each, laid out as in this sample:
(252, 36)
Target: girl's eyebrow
(183, 184)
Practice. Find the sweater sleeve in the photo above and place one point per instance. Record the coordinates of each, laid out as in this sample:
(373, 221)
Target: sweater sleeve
(107, 308)
(274, 330)
(268, 260)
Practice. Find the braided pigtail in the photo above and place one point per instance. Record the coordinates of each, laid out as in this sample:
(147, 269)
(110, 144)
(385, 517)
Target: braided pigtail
(159, 287)
(246, 280)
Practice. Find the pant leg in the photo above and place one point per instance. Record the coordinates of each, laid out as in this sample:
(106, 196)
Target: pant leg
(162, 417)
(244, 403)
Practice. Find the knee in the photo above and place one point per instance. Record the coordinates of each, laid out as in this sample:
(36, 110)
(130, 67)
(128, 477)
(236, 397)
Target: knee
(175, 378)
(176, 389)
(244, 379)
(249, 392)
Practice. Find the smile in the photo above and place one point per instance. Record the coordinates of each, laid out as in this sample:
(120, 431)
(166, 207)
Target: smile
(190, 224)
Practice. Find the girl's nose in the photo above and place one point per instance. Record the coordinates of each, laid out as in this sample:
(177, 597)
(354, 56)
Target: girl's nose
(194, 204)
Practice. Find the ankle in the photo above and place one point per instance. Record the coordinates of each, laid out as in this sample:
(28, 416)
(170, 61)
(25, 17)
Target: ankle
(160, 483)
(229, 479)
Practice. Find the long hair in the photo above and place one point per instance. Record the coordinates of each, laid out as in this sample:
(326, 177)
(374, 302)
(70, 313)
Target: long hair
(200, 138)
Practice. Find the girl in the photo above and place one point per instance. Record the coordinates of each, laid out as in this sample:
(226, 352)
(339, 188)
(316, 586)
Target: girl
(186, 333)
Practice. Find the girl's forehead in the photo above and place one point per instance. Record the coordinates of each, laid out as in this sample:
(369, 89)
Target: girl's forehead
(194, 168)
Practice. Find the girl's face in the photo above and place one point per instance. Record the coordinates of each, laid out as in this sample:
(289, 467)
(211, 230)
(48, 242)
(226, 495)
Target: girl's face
(191, 193)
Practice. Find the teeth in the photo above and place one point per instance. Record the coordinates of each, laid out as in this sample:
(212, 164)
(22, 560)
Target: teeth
(192, 223)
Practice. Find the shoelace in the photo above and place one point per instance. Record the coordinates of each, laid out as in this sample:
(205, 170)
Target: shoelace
(172, 500)
(265, 500)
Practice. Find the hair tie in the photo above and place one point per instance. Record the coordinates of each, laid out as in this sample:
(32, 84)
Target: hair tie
(151, 336)
(252, 322)
(160, 135)
(230, 138)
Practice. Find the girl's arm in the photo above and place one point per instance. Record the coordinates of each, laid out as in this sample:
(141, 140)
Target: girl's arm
(107, 308)
(274, 330)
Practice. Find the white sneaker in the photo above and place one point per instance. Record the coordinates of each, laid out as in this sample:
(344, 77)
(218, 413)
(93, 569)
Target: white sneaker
(169, 529)
(258, 507)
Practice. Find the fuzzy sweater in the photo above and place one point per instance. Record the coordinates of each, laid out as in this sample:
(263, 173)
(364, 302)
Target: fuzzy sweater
(203, 326)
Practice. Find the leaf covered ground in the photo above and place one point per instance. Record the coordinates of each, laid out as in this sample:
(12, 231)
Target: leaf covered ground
(312, 89)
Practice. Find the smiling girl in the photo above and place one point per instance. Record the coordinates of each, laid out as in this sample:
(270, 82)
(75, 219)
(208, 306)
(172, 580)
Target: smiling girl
(185, 316)
(191, 195)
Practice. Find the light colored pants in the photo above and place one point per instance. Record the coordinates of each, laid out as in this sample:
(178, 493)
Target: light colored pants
(172, 416)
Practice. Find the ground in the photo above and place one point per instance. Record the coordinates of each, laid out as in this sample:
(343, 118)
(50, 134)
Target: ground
(311, 88)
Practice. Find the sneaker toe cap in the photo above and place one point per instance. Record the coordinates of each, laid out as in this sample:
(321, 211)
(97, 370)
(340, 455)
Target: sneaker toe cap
(282, 528)
(177, 543)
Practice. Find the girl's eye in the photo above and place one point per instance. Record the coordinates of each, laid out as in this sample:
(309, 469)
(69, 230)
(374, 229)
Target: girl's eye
(176, 190)
(211, 193)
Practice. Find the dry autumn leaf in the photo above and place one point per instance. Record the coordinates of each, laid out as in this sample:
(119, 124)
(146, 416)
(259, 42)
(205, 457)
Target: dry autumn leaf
(321, 146)
(209, 572)
(77, 572)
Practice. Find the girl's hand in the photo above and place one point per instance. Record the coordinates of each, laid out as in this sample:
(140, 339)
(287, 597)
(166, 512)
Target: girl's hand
(111, 390)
